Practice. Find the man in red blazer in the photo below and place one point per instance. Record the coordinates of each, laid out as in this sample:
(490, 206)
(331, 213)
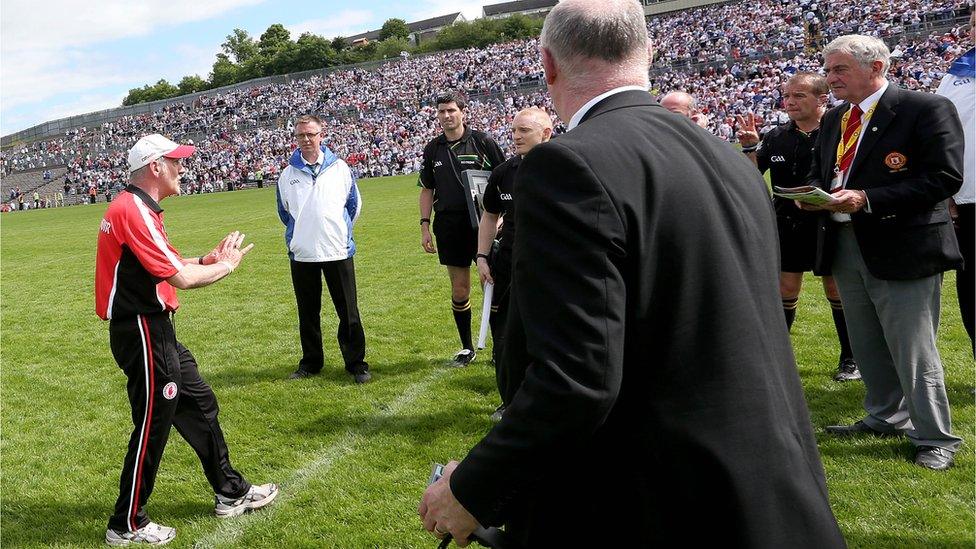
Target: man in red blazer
(892, 158)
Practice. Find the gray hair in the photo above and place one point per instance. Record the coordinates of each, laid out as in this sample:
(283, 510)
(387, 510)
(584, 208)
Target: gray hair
(864, 49)
(595, 30)
(140, 174)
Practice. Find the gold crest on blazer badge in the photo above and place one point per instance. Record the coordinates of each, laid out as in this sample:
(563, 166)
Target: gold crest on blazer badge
(896, 161)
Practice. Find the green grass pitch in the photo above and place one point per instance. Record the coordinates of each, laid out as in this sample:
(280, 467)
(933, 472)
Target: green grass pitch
(352, 460)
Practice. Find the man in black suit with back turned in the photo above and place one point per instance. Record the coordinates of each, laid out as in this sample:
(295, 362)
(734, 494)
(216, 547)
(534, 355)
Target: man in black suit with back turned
(660, 404)
(892, 158)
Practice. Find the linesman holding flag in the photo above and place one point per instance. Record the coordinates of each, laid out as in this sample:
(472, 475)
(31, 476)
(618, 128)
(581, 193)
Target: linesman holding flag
(530, 127)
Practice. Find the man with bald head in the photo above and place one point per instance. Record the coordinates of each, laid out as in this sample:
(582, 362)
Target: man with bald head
(683, 103)
(530, 127)
(656, 397)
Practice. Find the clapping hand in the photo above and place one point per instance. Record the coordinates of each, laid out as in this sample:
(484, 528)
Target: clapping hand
(228, 251)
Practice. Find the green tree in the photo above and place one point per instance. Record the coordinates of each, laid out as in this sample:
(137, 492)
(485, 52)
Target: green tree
(273, 39)
(391, 47)
(160, 90)
(518, 26)
(394, 28)
(192, 84)
(339, 43)
(285, 60)
(310, 52)
(366, 52)
(478, 33)
(255, 67)
(134, 97)
(224, 72)
(240, 46)
(315, 52)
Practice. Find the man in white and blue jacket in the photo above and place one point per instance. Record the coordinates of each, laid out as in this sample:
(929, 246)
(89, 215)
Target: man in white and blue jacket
(959, 85)
(318, 201)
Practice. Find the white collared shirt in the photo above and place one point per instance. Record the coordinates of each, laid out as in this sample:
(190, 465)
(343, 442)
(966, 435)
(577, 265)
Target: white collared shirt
(869, 103)
(578, 117)
(318, 160)
(866, 105)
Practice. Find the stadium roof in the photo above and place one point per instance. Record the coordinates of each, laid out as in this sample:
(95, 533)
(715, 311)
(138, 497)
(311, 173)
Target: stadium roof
(416, 26)
(517, 6)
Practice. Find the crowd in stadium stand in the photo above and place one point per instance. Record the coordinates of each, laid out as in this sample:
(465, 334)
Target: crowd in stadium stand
(379, 119)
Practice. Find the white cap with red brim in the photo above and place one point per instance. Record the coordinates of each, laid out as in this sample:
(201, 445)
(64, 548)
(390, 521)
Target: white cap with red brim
(154, 146)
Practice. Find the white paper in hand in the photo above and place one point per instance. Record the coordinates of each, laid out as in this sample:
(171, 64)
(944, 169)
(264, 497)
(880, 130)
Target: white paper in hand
(806, 194)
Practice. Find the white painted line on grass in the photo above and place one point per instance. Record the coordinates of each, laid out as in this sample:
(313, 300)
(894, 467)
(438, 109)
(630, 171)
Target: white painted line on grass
(231, 529)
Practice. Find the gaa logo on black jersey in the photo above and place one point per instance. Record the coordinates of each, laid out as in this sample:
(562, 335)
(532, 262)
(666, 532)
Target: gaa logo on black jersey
(777, 158)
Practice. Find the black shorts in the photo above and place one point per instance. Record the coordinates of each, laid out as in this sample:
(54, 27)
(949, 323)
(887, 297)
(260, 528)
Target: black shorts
(457, 241)
(797, 243)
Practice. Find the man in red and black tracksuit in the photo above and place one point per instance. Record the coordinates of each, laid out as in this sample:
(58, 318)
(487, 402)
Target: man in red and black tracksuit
(136, 272)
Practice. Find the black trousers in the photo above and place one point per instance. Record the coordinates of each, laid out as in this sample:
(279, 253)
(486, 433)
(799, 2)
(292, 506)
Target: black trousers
(165, 389)
(965, 279)
(340, 277)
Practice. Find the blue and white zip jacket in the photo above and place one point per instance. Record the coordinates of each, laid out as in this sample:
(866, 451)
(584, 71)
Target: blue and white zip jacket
(318, 208)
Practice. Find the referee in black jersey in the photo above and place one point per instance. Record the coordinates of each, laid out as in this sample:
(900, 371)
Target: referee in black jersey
(530, 127)
(786, 151)
(442, 191)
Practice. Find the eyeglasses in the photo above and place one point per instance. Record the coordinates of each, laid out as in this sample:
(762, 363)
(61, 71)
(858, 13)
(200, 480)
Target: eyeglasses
(308, 136)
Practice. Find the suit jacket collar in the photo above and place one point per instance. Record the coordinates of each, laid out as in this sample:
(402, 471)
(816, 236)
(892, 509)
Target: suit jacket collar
(628, 98)
(884, 113)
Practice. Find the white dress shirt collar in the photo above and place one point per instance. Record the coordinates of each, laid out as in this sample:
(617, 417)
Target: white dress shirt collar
(318, 159)
(578, 117)
(872, 100)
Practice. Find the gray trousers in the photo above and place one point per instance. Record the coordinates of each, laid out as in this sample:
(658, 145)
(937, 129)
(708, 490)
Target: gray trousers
(893, 325)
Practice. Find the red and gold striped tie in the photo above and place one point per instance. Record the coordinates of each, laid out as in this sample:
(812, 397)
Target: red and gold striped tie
(849, 139)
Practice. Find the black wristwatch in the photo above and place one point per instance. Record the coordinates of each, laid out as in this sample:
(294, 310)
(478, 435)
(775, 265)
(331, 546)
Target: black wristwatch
(483, 256)
(425, 220)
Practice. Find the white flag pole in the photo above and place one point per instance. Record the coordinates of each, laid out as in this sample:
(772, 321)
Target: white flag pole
(485, 312)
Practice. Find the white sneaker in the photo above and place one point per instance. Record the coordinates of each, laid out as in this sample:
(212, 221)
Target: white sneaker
(255, 498)
(150, 534)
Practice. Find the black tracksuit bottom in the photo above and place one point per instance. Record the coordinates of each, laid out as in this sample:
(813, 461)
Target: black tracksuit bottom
(340, 277)
(165, 389)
